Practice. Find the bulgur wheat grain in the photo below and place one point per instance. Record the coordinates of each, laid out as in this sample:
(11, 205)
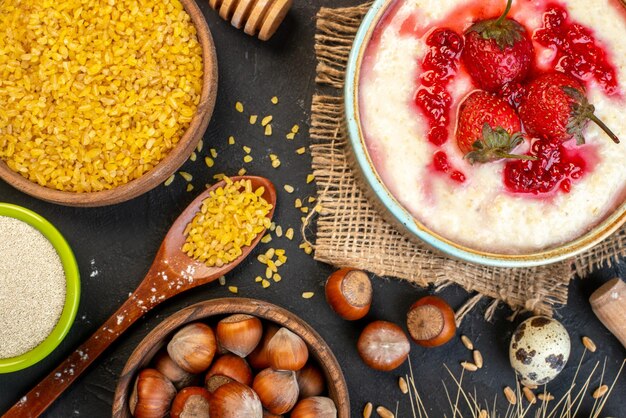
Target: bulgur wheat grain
(94, 94)
(229, 220)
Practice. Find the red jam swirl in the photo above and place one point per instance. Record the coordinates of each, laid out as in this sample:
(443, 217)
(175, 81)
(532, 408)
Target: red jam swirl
(555, 166)
(577, 51)
(432, 97)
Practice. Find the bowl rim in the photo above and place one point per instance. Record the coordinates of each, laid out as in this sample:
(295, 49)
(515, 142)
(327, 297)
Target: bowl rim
(72, 288)
(153, 342)
(176, 157)
(399, 216)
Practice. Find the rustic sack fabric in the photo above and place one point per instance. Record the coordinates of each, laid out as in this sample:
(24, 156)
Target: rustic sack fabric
(351, 232)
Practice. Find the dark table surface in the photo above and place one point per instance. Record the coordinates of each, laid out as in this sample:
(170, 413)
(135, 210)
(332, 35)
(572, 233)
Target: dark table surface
(115, 246)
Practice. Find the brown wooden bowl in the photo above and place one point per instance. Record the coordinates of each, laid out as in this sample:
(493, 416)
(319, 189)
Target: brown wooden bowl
(168, 165)
(203, 311)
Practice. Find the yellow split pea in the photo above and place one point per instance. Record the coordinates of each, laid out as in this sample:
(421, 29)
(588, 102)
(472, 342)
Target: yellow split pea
(94, 94)
(229, 220)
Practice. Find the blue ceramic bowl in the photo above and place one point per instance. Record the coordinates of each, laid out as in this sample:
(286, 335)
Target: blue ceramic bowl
(397, 215)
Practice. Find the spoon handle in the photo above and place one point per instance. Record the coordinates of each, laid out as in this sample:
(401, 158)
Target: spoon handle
(52, 386)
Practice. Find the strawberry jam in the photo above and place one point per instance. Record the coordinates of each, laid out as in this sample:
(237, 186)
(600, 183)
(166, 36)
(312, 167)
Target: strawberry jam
(577, 51)
(555, 166)
(438, 67)
(441, 164)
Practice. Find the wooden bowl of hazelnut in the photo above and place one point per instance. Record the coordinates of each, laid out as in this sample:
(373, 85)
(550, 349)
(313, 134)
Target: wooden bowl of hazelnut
(237, 358)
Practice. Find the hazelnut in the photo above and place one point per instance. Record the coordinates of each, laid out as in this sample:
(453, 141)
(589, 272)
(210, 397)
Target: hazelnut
(193, 347)
(349, 293)
(235, 400)
(239, 334)
(315, 407)
(215, 381)
(168, 367)
(383, 345)
(152, 395)
(278, 390)
(191, 402)
(287, 351)
(431, 322)
(233, 366)
(311, 381)
(258, 358)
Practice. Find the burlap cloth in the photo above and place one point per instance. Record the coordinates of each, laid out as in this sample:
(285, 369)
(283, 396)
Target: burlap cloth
(351, 233)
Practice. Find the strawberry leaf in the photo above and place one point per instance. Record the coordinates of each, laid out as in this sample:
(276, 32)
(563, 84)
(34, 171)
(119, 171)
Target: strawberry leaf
(496, 145)
(582, 113)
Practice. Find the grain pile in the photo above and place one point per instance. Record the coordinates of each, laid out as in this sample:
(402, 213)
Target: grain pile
(229, 220)
(33, 287)
(94, 94)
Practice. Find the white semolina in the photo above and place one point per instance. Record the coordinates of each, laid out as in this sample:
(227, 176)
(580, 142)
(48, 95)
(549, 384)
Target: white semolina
(32, 287)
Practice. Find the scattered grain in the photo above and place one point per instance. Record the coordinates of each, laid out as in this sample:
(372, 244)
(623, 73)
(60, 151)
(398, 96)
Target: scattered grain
(233, 289)
(246, 149)
(288, 188)
(247, 159)
(266, 120)
(384, 412)
(295, 129)
(239, 107)
(510, 395)
(253, 119)
(589, 344)
(289, 234)
(546, 397)
(367, 410)
(290, 135)
(231, 140)
(266, 239)
(188, 177)
(467, 342)
(213, 152)
(222, 280)
(193, 156)
(242, 172)
(274, 100)
(268, 130)
(308, 295)
(301, 150)
(600, 392)
(478, 359)
(209, 162)
(529, 395)
(470, 367)
(310, 178)
(189, 187)
(404, 387)
(169, 180)
(200, 145)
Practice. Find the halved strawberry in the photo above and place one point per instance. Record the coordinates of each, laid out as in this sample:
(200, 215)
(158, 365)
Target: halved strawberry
(555, 107)
(488, 128)
(498, 51)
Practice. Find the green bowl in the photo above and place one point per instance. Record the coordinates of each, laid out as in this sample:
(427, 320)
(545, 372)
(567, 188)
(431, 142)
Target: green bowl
(72, 292)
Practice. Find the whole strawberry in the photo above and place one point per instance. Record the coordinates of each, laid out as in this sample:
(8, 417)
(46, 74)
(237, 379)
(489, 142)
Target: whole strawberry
(488, 128)
(555, 107)
(498, 51)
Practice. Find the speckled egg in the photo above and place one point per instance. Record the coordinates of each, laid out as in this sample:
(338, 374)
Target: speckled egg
(539, 350)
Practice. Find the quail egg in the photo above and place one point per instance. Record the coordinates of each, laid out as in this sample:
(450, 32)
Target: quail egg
(539, 349)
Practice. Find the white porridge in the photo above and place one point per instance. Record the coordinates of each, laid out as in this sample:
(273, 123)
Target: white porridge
(480, 212)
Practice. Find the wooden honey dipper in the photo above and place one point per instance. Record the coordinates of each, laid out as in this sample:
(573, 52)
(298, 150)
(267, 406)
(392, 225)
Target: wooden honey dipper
(257, 17)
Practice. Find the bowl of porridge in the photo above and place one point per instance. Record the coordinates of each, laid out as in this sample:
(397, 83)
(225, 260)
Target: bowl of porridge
(472, 126)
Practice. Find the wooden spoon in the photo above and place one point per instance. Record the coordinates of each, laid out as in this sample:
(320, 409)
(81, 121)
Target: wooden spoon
(171, 273)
